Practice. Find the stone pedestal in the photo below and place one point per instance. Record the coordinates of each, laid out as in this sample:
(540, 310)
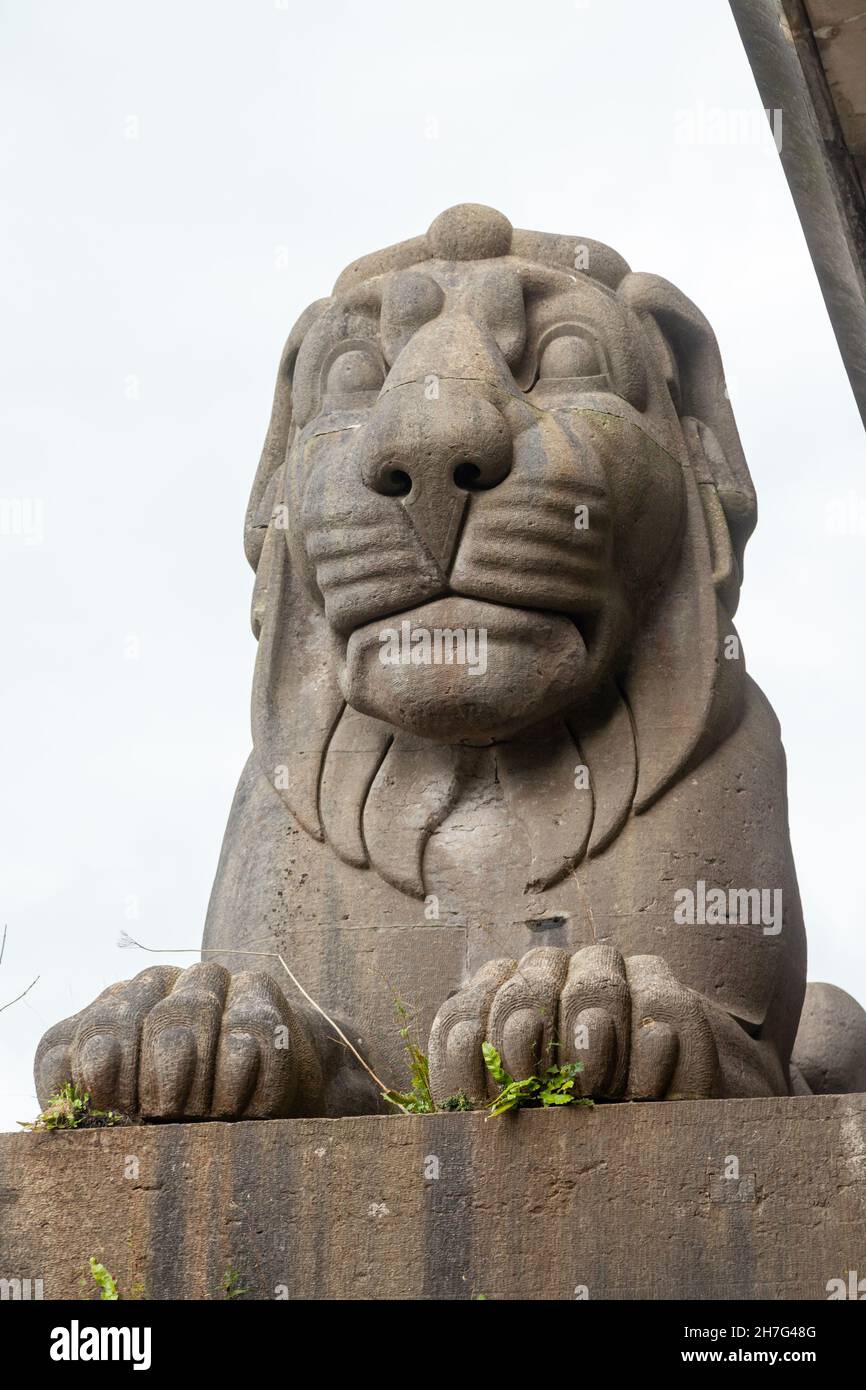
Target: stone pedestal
(733, 1199)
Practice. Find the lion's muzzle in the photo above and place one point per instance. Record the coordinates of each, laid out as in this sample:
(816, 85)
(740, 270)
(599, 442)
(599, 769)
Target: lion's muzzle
(431, 444)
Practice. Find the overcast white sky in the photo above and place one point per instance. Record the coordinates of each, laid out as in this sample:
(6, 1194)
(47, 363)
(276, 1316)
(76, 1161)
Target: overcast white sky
(180, 181)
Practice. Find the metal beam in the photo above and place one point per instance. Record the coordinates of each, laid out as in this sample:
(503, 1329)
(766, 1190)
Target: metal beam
(822, 97)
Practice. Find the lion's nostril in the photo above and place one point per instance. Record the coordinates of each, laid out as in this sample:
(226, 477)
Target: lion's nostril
(467, 476)
(397, 483)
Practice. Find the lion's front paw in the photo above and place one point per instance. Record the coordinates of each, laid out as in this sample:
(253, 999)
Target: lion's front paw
(638, 1033)
(186, 1044)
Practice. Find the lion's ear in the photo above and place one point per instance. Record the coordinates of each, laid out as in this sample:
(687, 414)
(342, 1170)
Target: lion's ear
(686, 678)
(687, 345)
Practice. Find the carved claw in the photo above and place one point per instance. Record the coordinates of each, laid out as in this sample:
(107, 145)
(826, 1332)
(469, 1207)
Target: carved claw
(638, 1032)
(198, 1044)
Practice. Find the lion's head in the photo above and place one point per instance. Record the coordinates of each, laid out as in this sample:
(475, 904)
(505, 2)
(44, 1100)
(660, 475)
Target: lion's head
(502, 502)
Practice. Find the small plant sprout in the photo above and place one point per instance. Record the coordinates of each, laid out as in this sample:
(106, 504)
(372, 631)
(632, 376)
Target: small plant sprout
(418, 1100)
(70, 1108)
(107, 1283)
(553, 1086)
(232, 1287)
(459, 1101)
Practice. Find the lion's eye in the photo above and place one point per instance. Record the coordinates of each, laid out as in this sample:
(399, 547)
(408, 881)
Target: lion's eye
(355, 370)
(568, 356)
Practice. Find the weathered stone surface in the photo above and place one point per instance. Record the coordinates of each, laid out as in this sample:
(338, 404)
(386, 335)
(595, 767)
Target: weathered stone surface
(762, 1198)
(501, 716)
(830, 1051)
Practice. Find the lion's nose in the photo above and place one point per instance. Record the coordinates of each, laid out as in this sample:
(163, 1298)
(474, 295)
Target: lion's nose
(467, 474)
(432, 453)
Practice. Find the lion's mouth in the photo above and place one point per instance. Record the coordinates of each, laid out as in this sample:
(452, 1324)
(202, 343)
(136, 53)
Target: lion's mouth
(461, 668)
(455, 629)
(463, 611)
(475, 618)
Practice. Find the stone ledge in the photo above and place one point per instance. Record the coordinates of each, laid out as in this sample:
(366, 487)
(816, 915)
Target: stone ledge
(627, 1201)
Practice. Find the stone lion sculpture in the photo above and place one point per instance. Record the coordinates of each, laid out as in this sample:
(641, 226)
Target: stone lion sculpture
(507, 762)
